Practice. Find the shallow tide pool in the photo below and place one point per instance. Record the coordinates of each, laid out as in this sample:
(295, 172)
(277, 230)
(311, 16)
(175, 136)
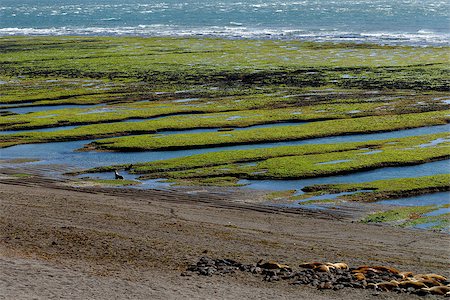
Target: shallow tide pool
(428, 169)
(65, 152)
(421, 200)
(30, 109)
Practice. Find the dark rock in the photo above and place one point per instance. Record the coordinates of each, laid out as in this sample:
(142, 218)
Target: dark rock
(231, 262)
(274, 278)
(192, 268)
(344, 279)
(206, 271)
(348, 284)
(245, 268)
(210, 271)
(270, 272)
(227, 271)
(421, 292)
(288, 275)
(315, 282)
(206, 261)
(335, 279)
(308, 271)
(256, 270)
(325, 285)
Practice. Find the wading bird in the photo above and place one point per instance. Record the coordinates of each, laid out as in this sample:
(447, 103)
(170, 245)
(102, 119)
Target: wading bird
(117, 175)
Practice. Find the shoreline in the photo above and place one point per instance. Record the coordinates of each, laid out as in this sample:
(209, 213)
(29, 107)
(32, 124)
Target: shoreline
(77, 238)
(134, 239)
(397, 39)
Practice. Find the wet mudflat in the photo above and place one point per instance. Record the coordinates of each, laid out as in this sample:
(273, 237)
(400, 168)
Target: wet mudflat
(185, 110)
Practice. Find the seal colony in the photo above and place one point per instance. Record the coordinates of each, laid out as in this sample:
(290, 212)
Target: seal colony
(104, 243)
(334, 276)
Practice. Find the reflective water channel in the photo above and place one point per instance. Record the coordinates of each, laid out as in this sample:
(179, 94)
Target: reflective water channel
(64, 153)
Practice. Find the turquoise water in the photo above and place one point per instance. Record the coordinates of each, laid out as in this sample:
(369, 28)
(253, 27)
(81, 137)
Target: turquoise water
(381, 21)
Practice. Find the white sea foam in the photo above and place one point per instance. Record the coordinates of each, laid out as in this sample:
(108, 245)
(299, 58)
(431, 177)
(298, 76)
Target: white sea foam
(378, 21)
(238, 31)
(110, 19)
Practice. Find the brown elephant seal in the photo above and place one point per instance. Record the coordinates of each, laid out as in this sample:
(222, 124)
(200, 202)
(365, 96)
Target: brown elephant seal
(412, 283)
(437, 290)
(310, 265)
(338, 266)
(271, 265)
(359, 276)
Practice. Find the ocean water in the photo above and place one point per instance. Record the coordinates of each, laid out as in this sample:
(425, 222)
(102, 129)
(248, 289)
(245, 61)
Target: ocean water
(409, 22)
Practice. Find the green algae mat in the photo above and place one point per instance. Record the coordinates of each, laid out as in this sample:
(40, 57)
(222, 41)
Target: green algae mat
(128, 93)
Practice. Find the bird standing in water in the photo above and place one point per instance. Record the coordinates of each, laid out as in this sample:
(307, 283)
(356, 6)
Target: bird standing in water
(117, 175)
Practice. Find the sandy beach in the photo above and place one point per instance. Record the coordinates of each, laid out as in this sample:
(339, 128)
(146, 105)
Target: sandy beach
(64, 242)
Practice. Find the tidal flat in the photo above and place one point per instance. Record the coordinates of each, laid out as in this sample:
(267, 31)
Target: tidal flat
(222, 113)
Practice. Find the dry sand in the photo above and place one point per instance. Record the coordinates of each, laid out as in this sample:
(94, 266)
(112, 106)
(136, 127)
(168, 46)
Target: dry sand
(61, 242)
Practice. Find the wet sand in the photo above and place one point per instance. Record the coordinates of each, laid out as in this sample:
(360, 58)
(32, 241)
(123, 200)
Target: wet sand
(64, 242)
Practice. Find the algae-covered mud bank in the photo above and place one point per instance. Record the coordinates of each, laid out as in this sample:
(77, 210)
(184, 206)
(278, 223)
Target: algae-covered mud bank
(322, 124)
